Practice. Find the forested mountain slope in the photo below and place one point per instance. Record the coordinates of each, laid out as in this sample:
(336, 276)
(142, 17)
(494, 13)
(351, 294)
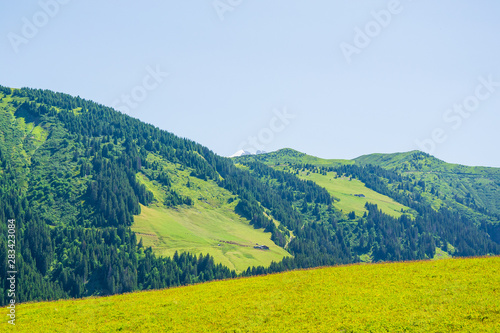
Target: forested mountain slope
(75, 173)
(68, 177)
(449, 212)
(102, 202)
(475, 188)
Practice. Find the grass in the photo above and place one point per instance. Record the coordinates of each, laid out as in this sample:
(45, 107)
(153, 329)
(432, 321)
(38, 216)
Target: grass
(209, 226)
(345, 189)
(291, 156)
(454, 295)
(223, 234)
(440, 254)
(450, 180)
(341, 188)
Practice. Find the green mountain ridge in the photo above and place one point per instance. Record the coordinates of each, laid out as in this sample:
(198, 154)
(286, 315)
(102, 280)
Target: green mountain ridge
(472, 189)
(106, 204)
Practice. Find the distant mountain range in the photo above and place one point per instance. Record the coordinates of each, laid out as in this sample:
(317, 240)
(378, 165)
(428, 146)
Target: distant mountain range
(474, 191)
(106, 204)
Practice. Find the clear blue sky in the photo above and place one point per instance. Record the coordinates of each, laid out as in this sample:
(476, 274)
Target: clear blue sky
(412, 76)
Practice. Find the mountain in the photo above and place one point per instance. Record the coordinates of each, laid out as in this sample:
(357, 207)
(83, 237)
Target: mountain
(105, 204)
(470, 189)
(412, 184)
(242, 152)
(291, 156)
(474, 191)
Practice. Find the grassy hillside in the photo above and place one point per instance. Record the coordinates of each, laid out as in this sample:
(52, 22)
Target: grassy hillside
(346, 188)
(80, 178)
(457, 295)
(70, 175)
(390, 160)
(210, 225)
(291, 156)
(472, 190)
(341, 188)
(221, 233)
(211, 222)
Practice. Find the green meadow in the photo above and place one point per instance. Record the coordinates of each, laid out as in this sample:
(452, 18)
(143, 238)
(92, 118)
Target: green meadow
(209, 226)
(227, 237)
(454, 295)
(344, 189)
(341, 188)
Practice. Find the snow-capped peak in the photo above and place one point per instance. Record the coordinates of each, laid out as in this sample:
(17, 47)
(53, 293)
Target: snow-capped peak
(242, 152)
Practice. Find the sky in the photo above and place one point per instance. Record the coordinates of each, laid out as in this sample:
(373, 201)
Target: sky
(333, 79)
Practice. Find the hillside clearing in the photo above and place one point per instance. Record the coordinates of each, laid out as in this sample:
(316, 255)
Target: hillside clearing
(222, 234)
(346, 190)
(209, 226)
